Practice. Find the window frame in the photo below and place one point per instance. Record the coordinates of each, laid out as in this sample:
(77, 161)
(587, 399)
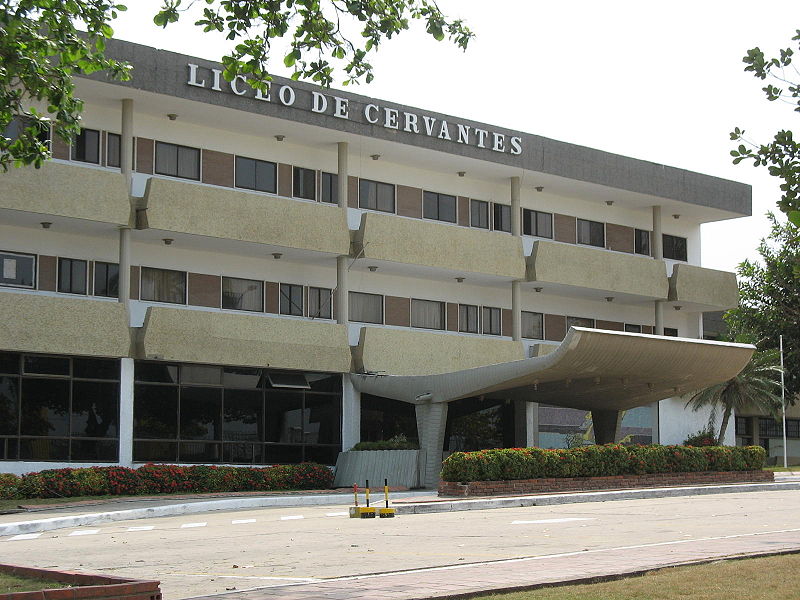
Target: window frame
(530, 223)
(299, 182)
(463, 315)
(332, 185)
(107, 150)
(382, 303)
(318, 292)
(541, 321)
(377, 184)
(591, 241)
(222, 293)
(141, 286)
(255, 163)
(575, 319)
(61, 261)
(483, 206)
(501, 210)
(673, 240)
(639, 234)
(73, 154)
(94, 278)
(178, 148)
(437, 198)
(486, 323)
(442, 307)
(34, 273)
(292, 289)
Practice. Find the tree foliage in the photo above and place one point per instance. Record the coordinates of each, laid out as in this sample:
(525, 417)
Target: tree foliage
(45, 43)
(756, 386)
(769, 298)
(781, 156)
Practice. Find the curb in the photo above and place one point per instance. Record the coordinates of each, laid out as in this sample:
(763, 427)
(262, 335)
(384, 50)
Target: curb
(605, 496)
(171, 510)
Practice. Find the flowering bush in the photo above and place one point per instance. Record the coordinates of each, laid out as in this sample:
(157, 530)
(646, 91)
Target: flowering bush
(163, 479)
(597, 461)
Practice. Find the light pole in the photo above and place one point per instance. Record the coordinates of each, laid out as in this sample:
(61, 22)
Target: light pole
(783, 405)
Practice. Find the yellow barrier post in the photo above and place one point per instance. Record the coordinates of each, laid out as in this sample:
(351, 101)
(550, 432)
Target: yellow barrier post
(386, 513)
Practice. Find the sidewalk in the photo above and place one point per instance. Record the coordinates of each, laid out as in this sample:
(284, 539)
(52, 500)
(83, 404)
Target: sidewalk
(525, 573)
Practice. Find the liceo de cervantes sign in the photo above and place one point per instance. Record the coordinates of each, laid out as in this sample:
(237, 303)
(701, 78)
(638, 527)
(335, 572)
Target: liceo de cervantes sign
(374, 114)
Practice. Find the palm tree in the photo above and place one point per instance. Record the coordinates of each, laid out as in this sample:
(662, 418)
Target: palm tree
(757, 385)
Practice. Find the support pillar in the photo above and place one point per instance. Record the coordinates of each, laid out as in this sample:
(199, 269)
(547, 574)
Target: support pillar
(126, 142)
(124, 280)
(126, 412)
(341, 300)
(606, 425)
(657, 247)
(532, 424)
(516, 311)
(351, 414)
(431, 422)
(516, 213)
(659, 317)
(342, 149)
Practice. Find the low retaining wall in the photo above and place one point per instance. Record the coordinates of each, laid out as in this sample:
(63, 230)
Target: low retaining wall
(614, 482)
(400, 467)
(86, 585)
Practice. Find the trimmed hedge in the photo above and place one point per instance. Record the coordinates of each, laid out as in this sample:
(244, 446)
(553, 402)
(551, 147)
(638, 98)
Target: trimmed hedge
(597, 461)
(163, 479)
(384, 445)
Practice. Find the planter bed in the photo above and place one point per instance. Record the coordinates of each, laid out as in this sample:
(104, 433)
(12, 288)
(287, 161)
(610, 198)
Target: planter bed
(82, 585)
(611, 482)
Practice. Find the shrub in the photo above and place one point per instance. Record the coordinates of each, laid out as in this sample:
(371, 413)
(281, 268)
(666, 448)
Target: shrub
(597, 461)
(163, 479)
(398, 442)
(704, 437)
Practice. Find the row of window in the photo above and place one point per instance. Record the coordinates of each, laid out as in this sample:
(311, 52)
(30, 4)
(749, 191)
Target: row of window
(253, 174)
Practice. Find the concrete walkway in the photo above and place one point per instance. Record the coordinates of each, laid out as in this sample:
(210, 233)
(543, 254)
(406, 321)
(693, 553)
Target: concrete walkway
(526, 573)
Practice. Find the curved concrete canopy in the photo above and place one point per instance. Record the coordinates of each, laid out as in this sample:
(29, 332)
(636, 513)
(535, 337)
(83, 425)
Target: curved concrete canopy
(592, 369)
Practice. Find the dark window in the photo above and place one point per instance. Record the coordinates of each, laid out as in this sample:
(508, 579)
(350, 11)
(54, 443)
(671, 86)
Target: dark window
(113, 141)
(305, 183)
(376, 195)
(641, 244)
(242, 294)
(532, 325)
(155, 411)
(18, 270)
(86, 146)
(492, 321)
(106, 279)
(71, 276)
(743, 426)
(479, 214)
(674, 247)
(330, 188)
(670, 331)
(319, 302)
(19, 124)
(769, 427)
(163, 285)
(366, 308)
(591, 233)
(156, 372)
(468, 318)
(580, 322)
(440, 207)
(291, 299)
(383, 419)
(201, 413)
(61, 409)
(427, 314)
(633, 328)
(502, 217)
(793, 428)
(177, 161)
(537, 223)
(252, 174)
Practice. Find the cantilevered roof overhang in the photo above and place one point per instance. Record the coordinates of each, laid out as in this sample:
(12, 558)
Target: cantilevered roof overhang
(592, 369)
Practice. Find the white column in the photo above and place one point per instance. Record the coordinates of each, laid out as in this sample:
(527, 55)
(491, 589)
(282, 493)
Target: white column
(126, 412)
(516, 215)
(341, 301)
(532, 424)
(351, 414)
(657, 246)
(342, 173)
(126, 142)
(516, 311)
(431, 422)
(124, 282)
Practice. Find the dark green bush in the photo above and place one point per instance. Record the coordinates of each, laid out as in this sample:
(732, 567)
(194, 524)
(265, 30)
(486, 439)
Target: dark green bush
(597, 461)
(163, 479)
(398, 442)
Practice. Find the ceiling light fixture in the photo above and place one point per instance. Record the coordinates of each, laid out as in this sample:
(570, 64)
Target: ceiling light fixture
(372, 268)
(167, 241)
(676, 216)
(374, 156)
(280, 138)
(277, 255)
(539, 188)
(677, 307)
(460, 279)
(172, 117)
(609, 298)
(462, 173)
(537, 289)
(609, 202)
(45, 224)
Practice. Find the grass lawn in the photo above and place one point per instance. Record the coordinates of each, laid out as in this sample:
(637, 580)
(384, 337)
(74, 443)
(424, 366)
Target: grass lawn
(773, 578)
(11, 504)
(783, 469)
(11, 583)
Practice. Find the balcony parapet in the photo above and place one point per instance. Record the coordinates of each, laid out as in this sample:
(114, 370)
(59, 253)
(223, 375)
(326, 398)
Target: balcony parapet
(707, 289)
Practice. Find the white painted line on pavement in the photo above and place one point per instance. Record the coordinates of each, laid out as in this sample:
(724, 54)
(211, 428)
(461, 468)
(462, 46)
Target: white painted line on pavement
(24, 536)
(566, 520)
(85, 532)
(142, 528)
(291, 517)
(241, 521)
(339, 514)
(187, 525)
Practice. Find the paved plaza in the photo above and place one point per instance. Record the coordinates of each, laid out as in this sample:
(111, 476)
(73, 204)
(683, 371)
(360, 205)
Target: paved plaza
(313, 552)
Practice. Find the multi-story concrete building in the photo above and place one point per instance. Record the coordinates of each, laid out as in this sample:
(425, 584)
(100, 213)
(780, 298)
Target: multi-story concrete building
(212, 274)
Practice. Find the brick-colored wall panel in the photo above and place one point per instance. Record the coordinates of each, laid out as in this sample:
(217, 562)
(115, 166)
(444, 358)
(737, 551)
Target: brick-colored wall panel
(452, 317)
(610, 325)
(60, 147)
(409, 201)
(352, 192)
(647, 329)
(285, 180)
(204, 290)
(398, 311)
(619, 238)
(463, 211)
(272, 297)
(134, 283)
(217, 168)
(47, 273)
(555, 327)
(564, 228)
(144, 155)
(505, 322)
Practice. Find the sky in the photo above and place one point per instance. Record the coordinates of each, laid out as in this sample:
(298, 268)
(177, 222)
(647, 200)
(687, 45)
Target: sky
(662, 82)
